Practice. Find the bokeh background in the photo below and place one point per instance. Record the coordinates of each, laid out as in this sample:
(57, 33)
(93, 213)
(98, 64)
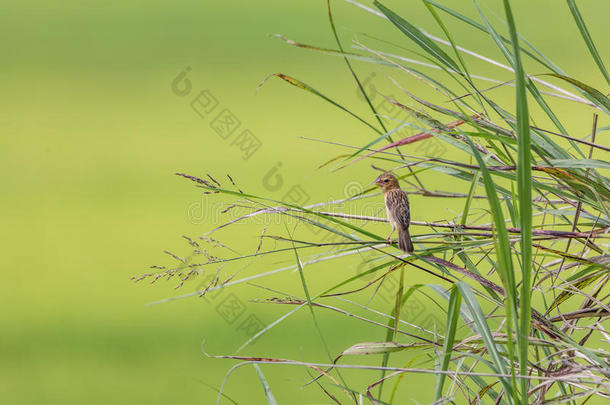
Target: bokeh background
(92, 134)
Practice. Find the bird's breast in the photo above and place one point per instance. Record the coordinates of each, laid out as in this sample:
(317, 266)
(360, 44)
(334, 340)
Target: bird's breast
(389, 211)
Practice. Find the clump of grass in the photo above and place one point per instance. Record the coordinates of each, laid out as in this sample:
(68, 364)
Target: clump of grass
(523, 287)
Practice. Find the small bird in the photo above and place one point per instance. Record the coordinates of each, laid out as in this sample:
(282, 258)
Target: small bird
(397, 210)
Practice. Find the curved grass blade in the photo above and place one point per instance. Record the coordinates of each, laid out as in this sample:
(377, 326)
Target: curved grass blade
(268, 394)
(309, 89)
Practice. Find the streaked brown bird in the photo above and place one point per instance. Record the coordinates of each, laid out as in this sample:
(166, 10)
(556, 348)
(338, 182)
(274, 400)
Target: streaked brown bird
(397, 210)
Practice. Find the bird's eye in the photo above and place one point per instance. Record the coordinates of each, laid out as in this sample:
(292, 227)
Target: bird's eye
(386, 180)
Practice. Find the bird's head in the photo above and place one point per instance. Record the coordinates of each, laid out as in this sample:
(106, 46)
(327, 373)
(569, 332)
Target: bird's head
(387, 182)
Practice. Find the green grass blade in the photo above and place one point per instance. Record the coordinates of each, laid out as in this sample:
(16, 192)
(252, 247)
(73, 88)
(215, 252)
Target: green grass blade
(512, 60)
(458, 54)
(503, 252)
(449, 37)
(481, 27)
(481, 325)
(542, 60)
(398, 303)
(468, 201)
(394, 321)
(524, 186)
(453, 313)
(313, 314)
(587, 38)
(419, 38)
(349, 66)
(512, 210)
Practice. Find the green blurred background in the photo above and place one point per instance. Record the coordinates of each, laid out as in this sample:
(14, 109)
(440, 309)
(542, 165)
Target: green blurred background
(92, 135)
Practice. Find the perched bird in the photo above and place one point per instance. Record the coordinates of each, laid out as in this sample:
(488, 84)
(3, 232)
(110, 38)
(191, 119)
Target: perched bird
(397, 209)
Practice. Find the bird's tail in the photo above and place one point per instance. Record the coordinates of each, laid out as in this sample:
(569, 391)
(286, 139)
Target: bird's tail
(404, 241)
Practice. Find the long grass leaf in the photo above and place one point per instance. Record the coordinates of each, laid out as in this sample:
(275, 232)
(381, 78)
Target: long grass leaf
(524, 185)
(310, 305)
(418, 37)
(453, 313)
(398, 303)
(503, 252)
(304, 86)
(582, 27)
(481, 325)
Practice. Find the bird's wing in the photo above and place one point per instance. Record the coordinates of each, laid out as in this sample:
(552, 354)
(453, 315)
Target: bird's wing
(398, 204)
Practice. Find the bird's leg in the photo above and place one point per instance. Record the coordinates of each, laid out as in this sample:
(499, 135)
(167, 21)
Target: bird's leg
(389, 238)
